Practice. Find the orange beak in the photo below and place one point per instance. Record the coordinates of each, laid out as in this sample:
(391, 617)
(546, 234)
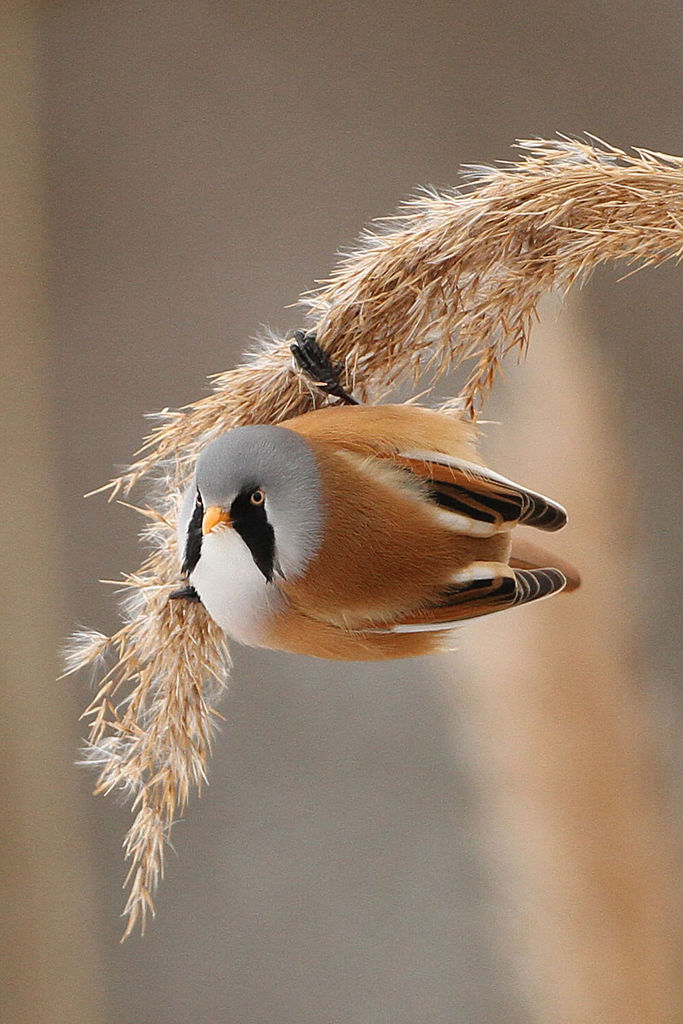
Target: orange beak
(213, 516)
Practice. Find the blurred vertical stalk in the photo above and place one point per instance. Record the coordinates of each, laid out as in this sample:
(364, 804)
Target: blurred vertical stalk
(573, 810)
(48, 953)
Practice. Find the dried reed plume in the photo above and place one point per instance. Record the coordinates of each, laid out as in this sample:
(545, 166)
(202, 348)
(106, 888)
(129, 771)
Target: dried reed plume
(456, 276)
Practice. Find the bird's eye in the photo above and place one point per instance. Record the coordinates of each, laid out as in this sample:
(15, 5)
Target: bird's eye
(257, 497)
(198, 499)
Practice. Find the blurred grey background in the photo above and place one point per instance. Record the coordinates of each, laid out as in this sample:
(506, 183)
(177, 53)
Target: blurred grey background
(488, 836)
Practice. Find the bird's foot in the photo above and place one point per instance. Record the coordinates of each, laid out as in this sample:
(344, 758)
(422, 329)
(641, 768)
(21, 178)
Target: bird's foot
(310, 358)
(187, 593)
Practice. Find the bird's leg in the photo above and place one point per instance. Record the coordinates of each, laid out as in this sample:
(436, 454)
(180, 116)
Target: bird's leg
(187, 593)
(310, 358)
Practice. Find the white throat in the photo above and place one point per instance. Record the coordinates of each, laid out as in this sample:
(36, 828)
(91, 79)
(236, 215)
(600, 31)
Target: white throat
(233, 589)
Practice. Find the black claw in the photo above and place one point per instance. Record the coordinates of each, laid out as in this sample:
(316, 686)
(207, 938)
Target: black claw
(187, 594)
(313, 361)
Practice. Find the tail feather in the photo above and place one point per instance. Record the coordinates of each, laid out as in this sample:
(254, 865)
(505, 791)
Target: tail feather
(492, 590)
(534, 584)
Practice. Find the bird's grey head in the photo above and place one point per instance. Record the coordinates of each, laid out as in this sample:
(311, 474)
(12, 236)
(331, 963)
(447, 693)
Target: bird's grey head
(263, 482)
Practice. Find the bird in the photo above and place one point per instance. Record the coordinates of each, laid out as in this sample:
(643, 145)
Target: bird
(359, 532)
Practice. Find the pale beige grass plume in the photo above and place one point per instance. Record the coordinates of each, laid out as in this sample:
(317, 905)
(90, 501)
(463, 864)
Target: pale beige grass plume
(455, 277)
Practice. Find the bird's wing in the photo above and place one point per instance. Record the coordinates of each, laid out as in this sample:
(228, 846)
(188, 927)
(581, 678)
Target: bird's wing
(407, 436)
(490, 588)
(488, 500)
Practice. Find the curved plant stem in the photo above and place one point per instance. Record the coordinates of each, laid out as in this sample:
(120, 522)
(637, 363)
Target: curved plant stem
(454, 277)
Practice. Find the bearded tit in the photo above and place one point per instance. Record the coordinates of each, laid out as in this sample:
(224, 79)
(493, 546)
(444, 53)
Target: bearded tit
(359, 532)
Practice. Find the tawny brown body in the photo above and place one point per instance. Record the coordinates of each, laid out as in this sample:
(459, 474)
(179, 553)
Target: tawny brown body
(388, 553)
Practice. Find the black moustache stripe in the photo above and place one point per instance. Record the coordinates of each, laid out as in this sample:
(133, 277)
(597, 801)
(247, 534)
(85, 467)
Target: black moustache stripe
(193, 543)
(251, 522)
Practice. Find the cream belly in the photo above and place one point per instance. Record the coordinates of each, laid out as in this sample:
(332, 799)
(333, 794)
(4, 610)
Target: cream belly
(233, 589)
